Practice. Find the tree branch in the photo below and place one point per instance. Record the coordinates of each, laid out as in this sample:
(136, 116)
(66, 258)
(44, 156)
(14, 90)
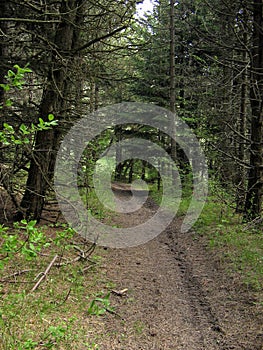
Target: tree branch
(28, 20)
(96, 40)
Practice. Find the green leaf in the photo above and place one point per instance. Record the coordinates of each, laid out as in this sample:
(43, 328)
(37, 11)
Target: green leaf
(6, 87)
(10, 74)
(9, 128)
(8, 103)
(31, 223)
(21, 70)
(24, 129)
(51, 117)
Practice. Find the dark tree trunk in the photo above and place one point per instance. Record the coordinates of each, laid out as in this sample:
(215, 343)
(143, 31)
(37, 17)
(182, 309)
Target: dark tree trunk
(54, 100)
(144, 163)
(3, 47)
(253, 205)
(172, 84)
(241, 176)
(119, 166)
(131, 171)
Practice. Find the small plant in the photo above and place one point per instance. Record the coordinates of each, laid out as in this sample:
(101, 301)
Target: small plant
(28, 345)
(63, 236)
(10, 135)
(27, 240)
(99, 306)
(138, 327)
(54, 335)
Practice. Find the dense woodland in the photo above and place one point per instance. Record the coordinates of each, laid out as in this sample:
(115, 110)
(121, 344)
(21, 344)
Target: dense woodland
(202, 60)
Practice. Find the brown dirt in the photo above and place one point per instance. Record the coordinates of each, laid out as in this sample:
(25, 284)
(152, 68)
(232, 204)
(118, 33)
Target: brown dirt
(179, 296)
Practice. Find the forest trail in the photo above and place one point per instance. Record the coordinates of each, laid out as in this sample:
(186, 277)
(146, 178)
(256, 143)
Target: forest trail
(178, 297)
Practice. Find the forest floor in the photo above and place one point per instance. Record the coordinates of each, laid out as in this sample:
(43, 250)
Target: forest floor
(179, 295)
(173, 292)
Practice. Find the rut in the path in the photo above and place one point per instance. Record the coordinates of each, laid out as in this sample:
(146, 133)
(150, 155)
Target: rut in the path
(172, 300)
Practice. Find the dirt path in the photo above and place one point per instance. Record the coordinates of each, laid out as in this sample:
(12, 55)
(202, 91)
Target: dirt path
(178, 296)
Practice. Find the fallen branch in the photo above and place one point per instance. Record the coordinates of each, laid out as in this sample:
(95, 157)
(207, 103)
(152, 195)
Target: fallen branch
(114, 313)
(257, 221)
(65, 299)
(18, 273)
(84, 255)
(120, 293)
(44, 275)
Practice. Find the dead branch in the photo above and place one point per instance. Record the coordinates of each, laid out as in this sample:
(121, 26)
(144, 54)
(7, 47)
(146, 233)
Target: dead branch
(120, 293)
(65, 299)
(84, 255)
(44, 275)
(18, 273)
(254, 223)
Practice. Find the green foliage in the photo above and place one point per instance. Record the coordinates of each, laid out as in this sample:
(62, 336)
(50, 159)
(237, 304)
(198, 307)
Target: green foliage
(11, 135)
(239, 245)
(15, 79)
(25, 239)
(41, 311)
(242, 248)
(94, 206)
(54, 335)
(28, 345)
(99, 306)
(63, 236)
(28, 240)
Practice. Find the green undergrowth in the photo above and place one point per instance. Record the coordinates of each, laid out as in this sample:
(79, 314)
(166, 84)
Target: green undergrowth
(57, 314)
(178, 206)
(240, 245)
(95, 206)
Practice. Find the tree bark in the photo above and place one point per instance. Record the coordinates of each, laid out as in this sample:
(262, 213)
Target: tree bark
(172, 83)
(253, 205)
(242, 129)
(55, 100)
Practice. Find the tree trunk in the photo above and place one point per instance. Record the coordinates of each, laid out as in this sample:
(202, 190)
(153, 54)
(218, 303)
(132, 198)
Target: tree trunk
(143, 173)
(253, 205)
(54, 100)
(131, 171)
(242, 129)
(3, 48)
(172, 82)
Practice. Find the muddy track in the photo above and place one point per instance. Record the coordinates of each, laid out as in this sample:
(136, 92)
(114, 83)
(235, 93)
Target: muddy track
(215, 297)
(201, 316)
(179, 296)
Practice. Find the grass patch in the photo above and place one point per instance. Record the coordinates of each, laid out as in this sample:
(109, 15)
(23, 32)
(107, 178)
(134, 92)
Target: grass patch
(94, 206)
(239, 244)
(170, 202)
(55, 315)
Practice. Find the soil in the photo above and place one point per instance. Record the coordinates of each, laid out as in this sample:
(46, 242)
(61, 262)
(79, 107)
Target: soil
(172, 293)
(179, 295)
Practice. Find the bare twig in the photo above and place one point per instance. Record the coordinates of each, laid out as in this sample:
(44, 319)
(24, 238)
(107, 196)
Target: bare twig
(253, 223)
(66, 298)
(84, 255)
(18, 273)
(44, 275)
(120, 293)
(114, 313)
